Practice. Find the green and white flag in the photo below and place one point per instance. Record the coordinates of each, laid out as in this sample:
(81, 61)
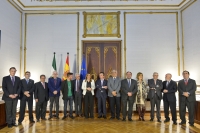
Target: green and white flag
(53, 68)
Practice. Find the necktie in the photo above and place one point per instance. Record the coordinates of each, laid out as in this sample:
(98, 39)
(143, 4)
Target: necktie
(77, 86)
(101, 82)
(55, 81)
(129, 83)
(43, 85)
(114, 79)
(186, 82)
(13, 81)
(27, 81)
(167, 84)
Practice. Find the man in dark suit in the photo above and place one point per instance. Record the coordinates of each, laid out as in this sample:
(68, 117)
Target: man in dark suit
(41, 98)
(78, 95)
(54, 85)
(11, 88)
(169, 98)
(187, 97)
(114, 85)
(101, 94)
(27, 89)
(68, 95)
(128, 94)
(155, 95)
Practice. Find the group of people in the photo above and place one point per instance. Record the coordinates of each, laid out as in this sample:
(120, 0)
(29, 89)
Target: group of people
(120, 92)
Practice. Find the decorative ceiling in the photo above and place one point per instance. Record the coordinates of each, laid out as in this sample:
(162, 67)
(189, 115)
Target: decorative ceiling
(27, 5)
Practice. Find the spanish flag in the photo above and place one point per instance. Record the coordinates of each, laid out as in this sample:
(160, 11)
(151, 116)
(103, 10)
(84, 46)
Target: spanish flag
(66, 69)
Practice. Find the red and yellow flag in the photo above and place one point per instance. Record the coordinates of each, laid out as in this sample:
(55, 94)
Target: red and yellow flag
(66, 68)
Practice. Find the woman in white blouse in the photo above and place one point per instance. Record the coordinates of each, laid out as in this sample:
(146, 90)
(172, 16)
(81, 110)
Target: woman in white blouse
(88, 87)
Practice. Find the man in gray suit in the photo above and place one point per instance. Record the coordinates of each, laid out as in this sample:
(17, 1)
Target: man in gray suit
(128, 91)
(114, 85)
(187, 97)
(155, 95)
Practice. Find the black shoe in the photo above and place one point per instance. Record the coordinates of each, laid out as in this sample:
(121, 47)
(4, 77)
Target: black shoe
(14, 124)
(72, 117)
(130, 119)
(124, 119)
(57, 117)
(192, 125)
(166, 120)
(10, 126)
(64, 117)
(118, 118)
(92, 117)
(86, 117)
(151, 119)
(50, 118)
(104, 117)
(38, 120)
(112, 118)
(99, 116)
(182, 123)
(174, 123)
(158, 120)
(32, 121)
(44, 119)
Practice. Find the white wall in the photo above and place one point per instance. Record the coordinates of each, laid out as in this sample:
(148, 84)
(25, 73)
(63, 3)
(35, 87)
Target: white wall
(10, 21)
(152, 44)
(47, 34)
(191, 30)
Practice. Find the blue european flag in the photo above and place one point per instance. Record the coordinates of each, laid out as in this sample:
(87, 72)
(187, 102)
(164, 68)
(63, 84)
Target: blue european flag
(83, 68)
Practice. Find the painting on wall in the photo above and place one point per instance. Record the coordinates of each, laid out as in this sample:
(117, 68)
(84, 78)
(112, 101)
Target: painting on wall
(101, 24)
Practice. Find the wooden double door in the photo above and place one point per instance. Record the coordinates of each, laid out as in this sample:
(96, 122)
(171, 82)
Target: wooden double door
(102, 56)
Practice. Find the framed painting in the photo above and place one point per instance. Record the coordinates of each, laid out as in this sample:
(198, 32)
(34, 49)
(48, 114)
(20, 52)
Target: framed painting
(101, 24)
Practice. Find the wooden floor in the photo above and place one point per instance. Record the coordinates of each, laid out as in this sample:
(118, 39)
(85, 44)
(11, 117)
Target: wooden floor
(96, 125)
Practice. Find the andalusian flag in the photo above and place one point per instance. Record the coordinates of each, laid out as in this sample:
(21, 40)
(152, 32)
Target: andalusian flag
(53, 67)
(66, 69)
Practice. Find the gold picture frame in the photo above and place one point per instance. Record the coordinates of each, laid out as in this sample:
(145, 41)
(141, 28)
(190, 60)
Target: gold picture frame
(101, 24)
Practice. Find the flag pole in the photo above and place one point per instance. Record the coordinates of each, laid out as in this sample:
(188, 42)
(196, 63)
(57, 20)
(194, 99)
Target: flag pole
(54, 107)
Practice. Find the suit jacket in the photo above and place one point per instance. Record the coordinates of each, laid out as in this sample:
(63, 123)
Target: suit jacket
(64, 89)
(190, 87)
(114, 86)
(80, 85)
(158, 88)
(99, 90)
(41, 93)
(84, 87)
(172, 88)
(9, 89)
(52, 87)
(27, 87)
(125, 89)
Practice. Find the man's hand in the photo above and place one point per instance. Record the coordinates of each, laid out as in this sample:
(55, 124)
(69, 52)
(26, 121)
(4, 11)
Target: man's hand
(26, 92)
(55, 92)
(165, 91)
(28, 95)
(185, 94)
(114, 93)
(129, 94)
(36, 100)
(12, 96)
(105, 87)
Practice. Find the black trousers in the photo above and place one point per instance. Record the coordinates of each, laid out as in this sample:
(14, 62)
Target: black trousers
(115, 106)
(101, 105)
(130, 108)
(182, 111)
(23, 108)
(155, 101)
(78, 103)
(11, 111)
(41, 108)
(89, 104)
(172, 106)
(52, 100)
